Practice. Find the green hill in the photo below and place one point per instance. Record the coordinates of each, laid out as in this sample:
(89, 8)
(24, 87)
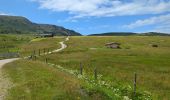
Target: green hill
(114, 34)
(154, 34)
(21, 25)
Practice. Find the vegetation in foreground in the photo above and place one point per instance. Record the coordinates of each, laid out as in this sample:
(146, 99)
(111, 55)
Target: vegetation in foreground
(151, 64)
(35, 80)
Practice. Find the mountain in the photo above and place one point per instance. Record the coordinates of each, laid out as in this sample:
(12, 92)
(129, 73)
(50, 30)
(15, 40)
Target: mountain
(130, 34)
(21, 25)
(154, 34)
(114, 34)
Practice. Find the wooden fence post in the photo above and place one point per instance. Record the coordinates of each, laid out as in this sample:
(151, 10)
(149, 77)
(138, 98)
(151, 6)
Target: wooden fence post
(31, 57)
(48, 50)
(135, 83)
(35, 57)
(34, 52)
(39, 52)
(95, 73)
(81, 69)
(44, 50)
(46, 60)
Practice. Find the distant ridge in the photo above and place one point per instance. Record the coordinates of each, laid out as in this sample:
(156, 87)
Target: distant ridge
(114, 34)
(21, 25)
(130, 34)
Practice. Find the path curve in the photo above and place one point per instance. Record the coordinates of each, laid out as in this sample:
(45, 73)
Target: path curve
(4, 81)
(5, 61)
(63, 46)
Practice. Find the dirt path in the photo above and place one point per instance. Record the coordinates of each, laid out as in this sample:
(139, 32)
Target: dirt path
(63, 46)
(4, 81)
(3, 62)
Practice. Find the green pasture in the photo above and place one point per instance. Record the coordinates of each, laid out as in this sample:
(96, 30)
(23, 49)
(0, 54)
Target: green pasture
(152, 64)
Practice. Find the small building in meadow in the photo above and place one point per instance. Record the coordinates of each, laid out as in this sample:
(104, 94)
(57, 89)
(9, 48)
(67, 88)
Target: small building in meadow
(113, 45)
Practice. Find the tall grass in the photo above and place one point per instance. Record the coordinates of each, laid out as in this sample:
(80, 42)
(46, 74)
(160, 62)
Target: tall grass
(34, 80)
(118, 65)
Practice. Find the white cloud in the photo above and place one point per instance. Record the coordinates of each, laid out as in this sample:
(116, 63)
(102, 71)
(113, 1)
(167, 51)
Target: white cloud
(163, 19)
(163, 28)
(104, 8)
(1, 13)
(160, 23)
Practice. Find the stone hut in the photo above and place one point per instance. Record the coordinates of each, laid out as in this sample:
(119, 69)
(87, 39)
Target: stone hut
(113, 45)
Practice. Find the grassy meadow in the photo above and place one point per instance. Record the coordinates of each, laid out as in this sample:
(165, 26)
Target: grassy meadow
(151, 64)
(38, 80)
(34, 80)
(25, 45)
(40, 44)
(11, 43)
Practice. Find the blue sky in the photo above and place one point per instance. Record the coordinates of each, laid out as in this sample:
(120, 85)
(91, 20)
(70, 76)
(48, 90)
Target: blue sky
(94, 16)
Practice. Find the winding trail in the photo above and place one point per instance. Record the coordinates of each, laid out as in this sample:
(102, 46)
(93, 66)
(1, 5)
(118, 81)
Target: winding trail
(5, 82)
(5, 61)
(63, 46)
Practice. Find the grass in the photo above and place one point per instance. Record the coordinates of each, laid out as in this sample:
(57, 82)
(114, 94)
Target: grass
(26, 44)
(40, 44)
(37, 80)
(118, 65)
(34, 80)
(11, 43)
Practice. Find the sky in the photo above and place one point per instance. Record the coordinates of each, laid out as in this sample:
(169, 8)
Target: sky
(94, 16)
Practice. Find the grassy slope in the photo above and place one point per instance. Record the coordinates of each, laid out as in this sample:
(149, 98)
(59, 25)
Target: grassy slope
(11, 43)
(35, 80)
(40, 43)
(25, 45)
(118, 65)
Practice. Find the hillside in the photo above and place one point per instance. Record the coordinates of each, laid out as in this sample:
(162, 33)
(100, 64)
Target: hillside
(130, 33)
(114, 34)
(21, 25)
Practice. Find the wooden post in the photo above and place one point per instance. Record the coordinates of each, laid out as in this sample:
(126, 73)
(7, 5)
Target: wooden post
(81, 69)
(44, 50)
(135, 80)
(48, 50)
(95, 73)
(34, 52)
(46, 60)
(35, 57)
(31, 57)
